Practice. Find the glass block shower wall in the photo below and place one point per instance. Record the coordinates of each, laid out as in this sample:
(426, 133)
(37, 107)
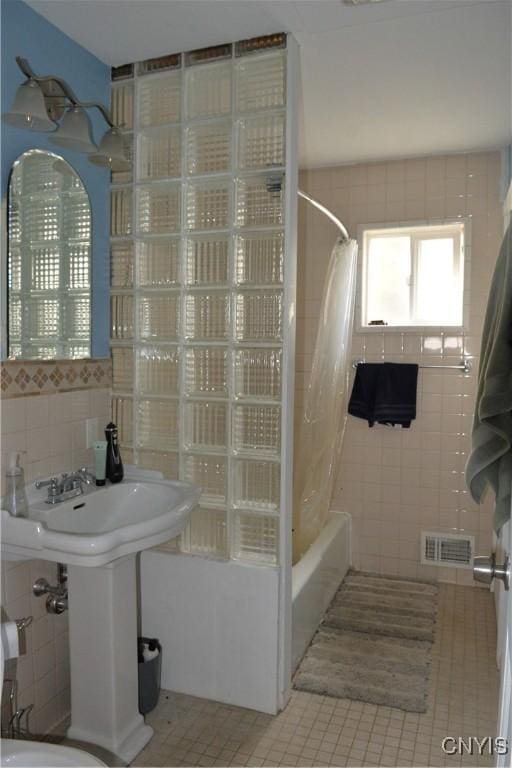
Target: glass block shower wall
(197, 257)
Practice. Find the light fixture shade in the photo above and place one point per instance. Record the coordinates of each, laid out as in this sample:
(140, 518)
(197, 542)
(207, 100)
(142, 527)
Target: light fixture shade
(111, 152)
(29, 109)
(75, 131)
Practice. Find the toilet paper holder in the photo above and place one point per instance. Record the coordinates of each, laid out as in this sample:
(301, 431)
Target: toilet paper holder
(26, 622)
(18, 726)
(21, 625)
(14, 641)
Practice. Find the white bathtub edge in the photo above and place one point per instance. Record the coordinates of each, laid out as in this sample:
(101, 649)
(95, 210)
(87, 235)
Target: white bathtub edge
(315, 579)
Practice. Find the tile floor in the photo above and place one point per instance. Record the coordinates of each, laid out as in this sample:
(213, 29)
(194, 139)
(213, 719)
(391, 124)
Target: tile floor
(317, 730)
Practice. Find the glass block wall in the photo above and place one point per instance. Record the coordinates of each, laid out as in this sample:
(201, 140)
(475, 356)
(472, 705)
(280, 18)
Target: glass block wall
(197, 255)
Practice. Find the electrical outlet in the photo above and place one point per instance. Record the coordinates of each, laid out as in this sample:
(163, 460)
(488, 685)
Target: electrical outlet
(91, 431)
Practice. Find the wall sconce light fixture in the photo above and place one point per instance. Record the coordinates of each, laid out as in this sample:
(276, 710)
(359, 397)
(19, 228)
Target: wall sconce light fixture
(47, 103)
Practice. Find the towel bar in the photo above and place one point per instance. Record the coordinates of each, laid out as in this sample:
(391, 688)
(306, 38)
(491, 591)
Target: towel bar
(464, 365)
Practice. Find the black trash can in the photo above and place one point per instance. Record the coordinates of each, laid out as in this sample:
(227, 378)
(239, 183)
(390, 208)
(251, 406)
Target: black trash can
(149, 675)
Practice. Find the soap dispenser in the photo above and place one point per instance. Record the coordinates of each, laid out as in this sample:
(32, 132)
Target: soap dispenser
(15, 498)
(114, 472)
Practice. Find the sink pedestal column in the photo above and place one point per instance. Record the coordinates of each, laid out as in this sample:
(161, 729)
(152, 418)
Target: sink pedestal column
(103, 651)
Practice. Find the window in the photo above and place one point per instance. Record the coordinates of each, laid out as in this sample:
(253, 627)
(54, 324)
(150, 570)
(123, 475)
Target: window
(413, 276)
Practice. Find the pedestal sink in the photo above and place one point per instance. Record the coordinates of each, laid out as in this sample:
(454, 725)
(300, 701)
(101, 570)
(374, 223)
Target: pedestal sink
(98, 535)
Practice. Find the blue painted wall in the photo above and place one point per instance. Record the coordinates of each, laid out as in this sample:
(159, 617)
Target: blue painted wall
(49, 51)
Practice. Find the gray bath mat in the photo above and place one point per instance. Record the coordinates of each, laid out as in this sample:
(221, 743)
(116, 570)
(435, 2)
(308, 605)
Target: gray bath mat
(374, 643)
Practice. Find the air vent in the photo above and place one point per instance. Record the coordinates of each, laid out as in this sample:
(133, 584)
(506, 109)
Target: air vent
(258, 44)
(214, 53)
(161, 63)
(122, 72)
(448, 549)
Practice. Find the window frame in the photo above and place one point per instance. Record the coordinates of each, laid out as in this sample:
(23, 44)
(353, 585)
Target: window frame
(458, 229)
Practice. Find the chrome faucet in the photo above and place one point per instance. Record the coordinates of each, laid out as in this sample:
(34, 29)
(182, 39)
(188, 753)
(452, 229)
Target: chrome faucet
(83, 475)
(67, 486)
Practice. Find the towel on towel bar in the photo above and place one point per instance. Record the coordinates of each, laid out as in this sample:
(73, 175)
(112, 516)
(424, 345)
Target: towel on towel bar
(385, 392)
(490, 460)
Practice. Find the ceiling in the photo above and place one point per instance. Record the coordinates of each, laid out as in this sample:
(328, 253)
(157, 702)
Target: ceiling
(392, 79)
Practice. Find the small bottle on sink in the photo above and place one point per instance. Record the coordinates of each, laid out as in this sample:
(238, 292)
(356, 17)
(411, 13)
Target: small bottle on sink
(15, 498)
(115, 471)
(100, 460)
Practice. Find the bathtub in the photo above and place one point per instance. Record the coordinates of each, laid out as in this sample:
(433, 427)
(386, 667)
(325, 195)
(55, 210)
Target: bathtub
(315, 579)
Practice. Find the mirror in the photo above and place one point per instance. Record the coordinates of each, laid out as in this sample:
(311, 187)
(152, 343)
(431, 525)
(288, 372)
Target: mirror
(48, 260)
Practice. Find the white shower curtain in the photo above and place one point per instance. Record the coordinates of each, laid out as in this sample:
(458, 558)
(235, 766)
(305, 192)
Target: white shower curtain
(325, 409)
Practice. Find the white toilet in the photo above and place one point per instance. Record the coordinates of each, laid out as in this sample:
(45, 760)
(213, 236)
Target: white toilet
(38, 754)
(35, 754)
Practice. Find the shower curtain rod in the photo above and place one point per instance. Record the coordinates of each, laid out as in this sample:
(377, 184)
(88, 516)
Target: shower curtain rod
(327, 212)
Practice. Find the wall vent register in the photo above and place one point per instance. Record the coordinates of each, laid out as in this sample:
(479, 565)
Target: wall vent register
(447, 549)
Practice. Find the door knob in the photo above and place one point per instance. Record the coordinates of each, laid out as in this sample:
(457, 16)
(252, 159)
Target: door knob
(485, 570)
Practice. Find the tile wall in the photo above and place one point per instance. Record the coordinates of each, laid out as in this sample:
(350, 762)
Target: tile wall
(398, 483)
(19, 378)
(51, 429)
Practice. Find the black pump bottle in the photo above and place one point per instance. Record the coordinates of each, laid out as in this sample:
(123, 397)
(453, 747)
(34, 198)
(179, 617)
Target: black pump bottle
(114, 470)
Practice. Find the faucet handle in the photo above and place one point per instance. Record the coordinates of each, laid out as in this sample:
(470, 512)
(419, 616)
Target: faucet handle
(86, 475)
(53, 482)
(54, 488)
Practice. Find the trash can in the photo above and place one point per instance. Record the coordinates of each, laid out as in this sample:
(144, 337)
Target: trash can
(150, 667)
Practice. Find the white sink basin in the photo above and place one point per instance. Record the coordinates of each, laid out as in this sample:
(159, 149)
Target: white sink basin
(103, 528)
(103, 524)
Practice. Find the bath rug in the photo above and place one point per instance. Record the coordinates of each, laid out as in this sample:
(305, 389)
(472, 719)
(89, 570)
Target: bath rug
(374, 643)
